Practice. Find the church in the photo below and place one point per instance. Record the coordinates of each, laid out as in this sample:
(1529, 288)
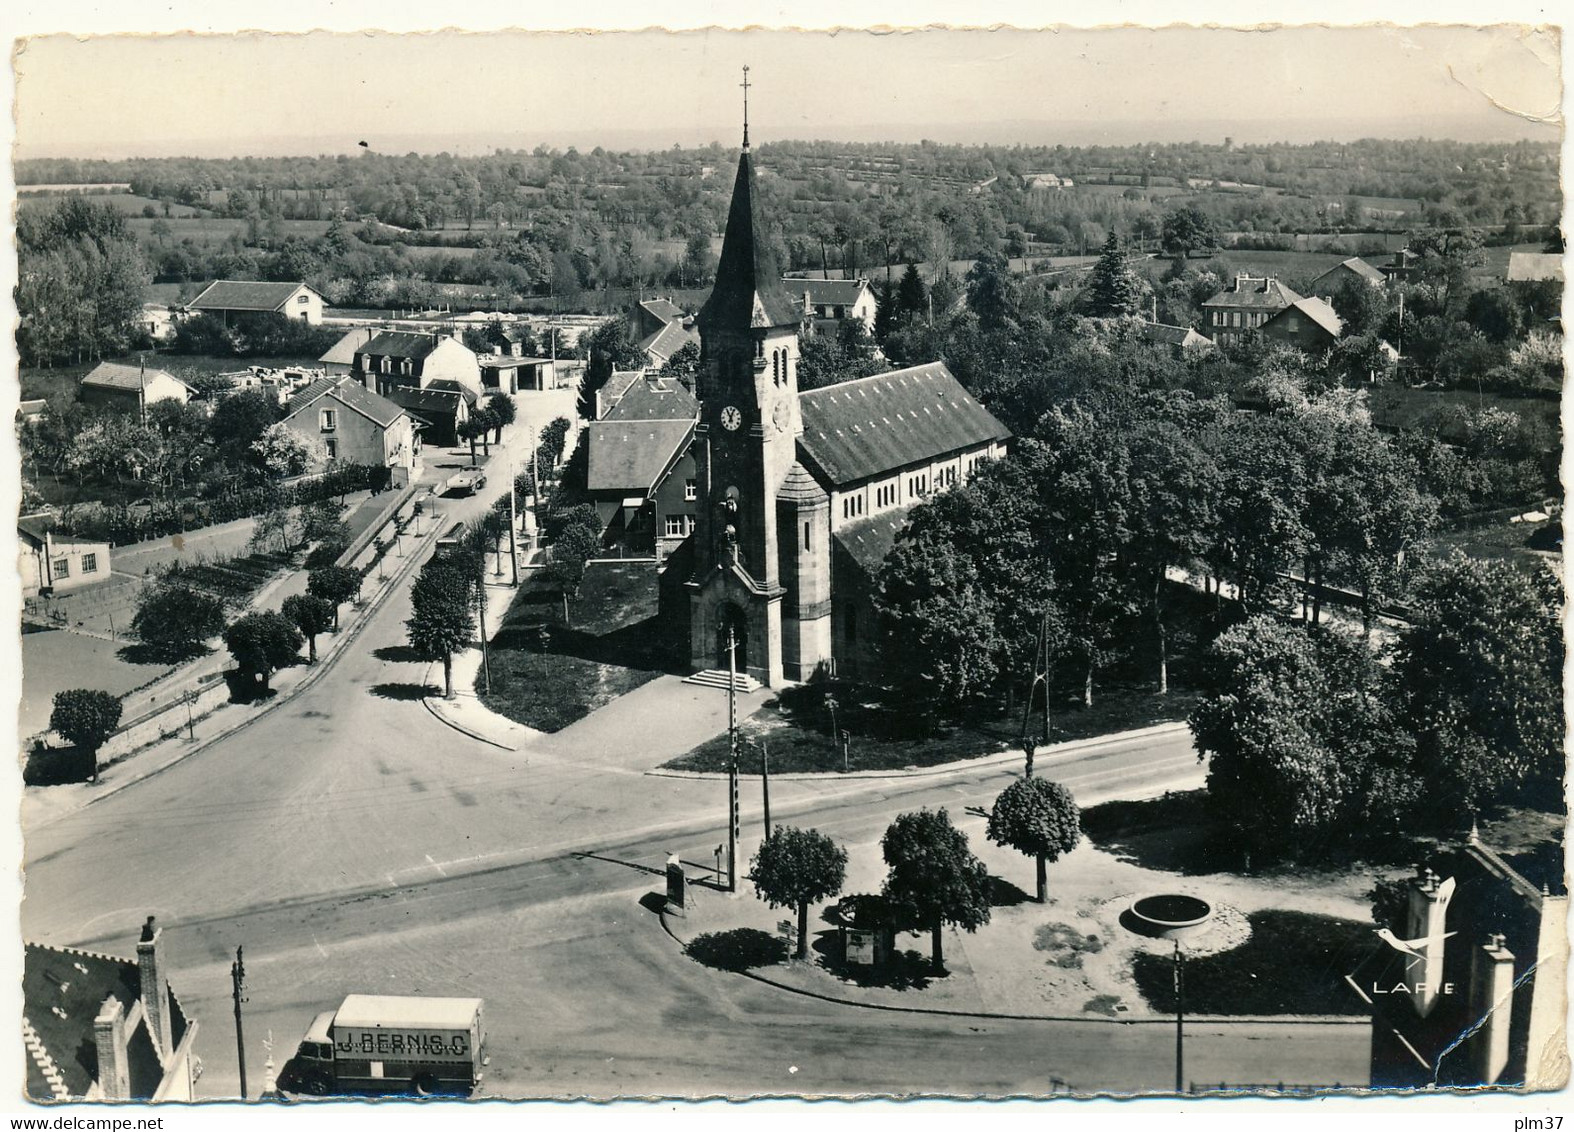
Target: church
(800, 496)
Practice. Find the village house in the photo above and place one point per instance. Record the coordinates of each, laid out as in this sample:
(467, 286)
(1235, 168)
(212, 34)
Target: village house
(229, 297)
(1183, 339)
(432, 376)
(1245, 305)
(1353, 268)
(131, 389)
(57, 563)
(350, 424)
(511, 373)
(613, 389)
(798, 497)
(96, 1027)
(340, 357)
(639, 470)
(661, 329)
(831, 302)
(1401, 266)
(1309, 324)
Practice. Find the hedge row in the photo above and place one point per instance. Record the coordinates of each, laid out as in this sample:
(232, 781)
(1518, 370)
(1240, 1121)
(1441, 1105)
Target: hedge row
(119, 524)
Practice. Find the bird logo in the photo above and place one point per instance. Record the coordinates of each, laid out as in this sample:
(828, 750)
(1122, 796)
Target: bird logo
(1416, 947)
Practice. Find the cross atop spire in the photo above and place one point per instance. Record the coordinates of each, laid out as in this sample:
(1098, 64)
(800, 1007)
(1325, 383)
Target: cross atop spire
(745, 85)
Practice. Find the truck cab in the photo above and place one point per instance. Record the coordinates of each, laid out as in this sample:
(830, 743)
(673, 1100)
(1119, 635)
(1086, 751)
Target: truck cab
(314, 1059)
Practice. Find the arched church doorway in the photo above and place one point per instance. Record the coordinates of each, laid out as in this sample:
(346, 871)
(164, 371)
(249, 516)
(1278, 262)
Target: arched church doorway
(732, 625)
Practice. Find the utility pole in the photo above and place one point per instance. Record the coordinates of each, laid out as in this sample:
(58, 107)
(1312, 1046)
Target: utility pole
(732, 761)
(1040, 676)
(480, 609)
(765, 784)
(513, 523)
(238, 979)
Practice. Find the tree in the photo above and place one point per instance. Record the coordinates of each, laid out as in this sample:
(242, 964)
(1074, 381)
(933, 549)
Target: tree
(1113, 289)
(322, 521)
(239, 421)
(1185, 230)
(262, 643)
(795, 868)
(934, 876)
(912, 297)
(501, 410)
(577, 542)
(80, 282)
(311, 615)
(335, 585)
(441, 619)
(608, 347)
(175, 618)
(1039, 818)
(471, 429)
(281, 451)
(554, 436)
(992, 292)
(1303, 746)
(1479, 676)
(85, 718)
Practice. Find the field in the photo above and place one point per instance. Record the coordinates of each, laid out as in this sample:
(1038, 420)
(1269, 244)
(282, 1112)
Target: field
(217, 229)
(1292, 267)
(123, 202)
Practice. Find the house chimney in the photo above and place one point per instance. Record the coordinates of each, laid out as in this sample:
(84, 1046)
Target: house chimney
(155, 987)
(1491, 1000)
(109, 1038)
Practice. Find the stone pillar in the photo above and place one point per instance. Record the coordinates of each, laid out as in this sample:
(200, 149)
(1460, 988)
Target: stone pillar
(109, 1038)
(1428, 907)
(1492, 1007)
(155, 988)
(1547, 1054)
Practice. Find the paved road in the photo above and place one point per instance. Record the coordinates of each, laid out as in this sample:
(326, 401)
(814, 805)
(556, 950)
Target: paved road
(351, 841)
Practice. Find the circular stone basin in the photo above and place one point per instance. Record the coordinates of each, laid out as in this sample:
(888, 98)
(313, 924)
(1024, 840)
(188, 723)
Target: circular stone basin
(1170, 915)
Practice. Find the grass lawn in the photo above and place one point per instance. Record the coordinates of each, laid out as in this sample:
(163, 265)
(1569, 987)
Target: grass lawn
(1294, 963)
(1399, 406)
(610, 648)
(797, 727)
(1517, 542)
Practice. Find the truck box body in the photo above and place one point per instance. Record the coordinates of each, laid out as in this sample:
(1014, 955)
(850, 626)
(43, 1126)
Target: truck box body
(375, 1042)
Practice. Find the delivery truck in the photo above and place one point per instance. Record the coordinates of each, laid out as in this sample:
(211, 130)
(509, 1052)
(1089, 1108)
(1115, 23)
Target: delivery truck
(391, 1043)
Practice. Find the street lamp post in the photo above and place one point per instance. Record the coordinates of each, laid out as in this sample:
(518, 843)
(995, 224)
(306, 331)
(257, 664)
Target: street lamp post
(238, 979)
(1175, 917)
(732, 761)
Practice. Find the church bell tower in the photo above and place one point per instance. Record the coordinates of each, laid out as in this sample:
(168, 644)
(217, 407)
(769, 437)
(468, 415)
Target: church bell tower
(745, 442)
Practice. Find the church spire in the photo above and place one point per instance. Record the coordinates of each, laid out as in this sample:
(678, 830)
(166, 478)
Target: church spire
(745, 85)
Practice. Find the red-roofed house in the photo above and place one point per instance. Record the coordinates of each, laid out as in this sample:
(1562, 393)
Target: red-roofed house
(99, 1028)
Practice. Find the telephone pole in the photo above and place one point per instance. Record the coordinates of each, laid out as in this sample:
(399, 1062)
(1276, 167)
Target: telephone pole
(732, 761)
(238, 979)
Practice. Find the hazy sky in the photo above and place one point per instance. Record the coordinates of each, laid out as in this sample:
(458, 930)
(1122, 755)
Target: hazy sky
(271, 93)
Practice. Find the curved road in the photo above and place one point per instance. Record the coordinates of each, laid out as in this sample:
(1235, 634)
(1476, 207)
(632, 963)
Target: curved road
(352, 842)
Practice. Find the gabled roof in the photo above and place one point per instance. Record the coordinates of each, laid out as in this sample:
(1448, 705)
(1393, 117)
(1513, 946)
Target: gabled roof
(632, 455)
(352, 394)
(33, 528)
(1534, 267)
(429, 401)
(668, 340)
(344, 350)
(113, 375)
(239, 295)
(655, 399)
(829, 292)
(399, 344)
(868, 541)
(449, 385)
(1316, 310)
(1247, 293)
(748, 290)
(859, 429)
(1358, 266)
(613, 389)
(664, 309)
(1168, 335)
(62, 992)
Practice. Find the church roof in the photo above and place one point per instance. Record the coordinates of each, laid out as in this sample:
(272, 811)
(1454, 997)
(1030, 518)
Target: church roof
(800, 487)
(748, 290)
(859, 429)
(869, 540)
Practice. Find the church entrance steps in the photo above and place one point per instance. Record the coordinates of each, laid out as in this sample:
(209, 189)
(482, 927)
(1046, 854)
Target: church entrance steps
(717, 678)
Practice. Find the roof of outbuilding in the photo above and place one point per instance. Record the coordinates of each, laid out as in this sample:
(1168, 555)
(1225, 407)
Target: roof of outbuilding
(1172, 335)
(375, 407)
(1360, 267)
(1254, 294)
(62, 992)
(245, 295)
(1534, 267)
(429, 401)
(664, 309)
(829, 292)
(748, 290)
(632, 455)
(862, 428)
(868, 541)
(113, 375)
(655, 399)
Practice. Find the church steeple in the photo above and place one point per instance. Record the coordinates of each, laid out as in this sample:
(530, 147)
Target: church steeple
(748, 291)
